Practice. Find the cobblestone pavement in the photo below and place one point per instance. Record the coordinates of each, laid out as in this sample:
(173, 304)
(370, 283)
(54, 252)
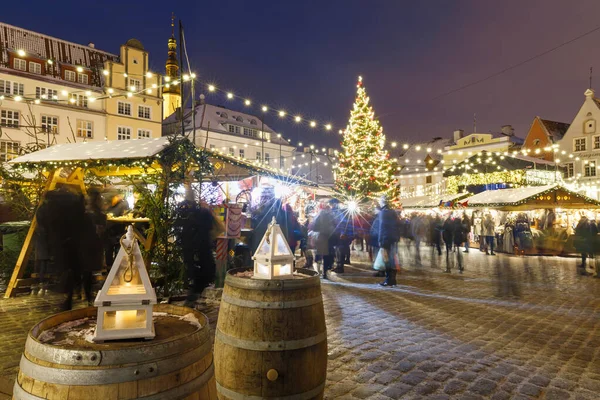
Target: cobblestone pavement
(507, 328)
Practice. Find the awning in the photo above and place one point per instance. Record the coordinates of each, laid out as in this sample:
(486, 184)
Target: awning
(424, 202)
(530, 198)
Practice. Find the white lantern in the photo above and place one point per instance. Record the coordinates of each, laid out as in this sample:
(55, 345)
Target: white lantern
(126, 299)
(273, 258)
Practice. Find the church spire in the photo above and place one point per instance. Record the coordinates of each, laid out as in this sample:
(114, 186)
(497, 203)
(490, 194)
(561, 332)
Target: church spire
(172, 66)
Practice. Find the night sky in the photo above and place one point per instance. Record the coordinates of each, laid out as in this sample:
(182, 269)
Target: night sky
(305, 56)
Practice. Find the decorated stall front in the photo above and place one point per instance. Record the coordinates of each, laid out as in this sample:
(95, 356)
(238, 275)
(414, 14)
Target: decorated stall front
(532, 220)
(434, 203)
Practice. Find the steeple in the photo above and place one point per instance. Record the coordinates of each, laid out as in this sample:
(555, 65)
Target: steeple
(171, 93)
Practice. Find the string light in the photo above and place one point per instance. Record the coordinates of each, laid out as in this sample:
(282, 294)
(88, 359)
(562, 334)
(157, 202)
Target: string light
(230, 95)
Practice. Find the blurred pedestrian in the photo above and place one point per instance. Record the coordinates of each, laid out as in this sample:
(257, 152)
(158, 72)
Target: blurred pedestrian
(489, 231)
(586, 233)
(448, 236)
(325, 238)
(466, 221)
(388, 236)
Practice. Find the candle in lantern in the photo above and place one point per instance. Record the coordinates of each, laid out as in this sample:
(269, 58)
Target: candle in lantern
(125, 319)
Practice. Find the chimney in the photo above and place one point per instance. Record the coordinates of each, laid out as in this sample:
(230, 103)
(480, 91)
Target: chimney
(458, 134)
(92, 45)
(331, 152)
(307, 149)
(508, 130)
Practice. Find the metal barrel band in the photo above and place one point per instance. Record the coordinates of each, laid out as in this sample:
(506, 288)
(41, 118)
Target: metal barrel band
(261, 284)
(258, 345)
(179, 392)
(88, 377)
(300, 396)
(270, 305)
(56, 355)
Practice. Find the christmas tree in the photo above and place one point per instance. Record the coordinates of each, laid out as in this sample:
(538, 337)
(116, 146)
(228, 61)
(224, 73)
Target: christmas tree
(364, 167)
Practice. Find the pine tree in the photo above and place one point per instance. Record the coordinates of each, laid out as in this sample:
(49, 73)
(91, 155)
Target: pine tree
(364, 168)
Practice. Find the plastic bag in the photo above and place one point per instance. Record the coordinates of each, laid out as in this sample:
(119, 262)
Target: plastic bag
(380, 261)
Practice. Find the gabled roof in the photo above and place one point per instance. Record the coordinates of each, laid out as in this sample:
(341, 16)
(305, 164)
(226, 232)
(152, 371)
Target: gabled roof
(514, 199)
(487, 162)
(555, 130)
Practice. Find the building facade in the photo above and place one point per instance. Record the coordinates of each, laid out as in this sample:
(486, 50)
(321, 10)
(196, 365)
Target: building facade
(232, 133)
(467, 145)
(581, 142)
(542, 135)
(54, 91)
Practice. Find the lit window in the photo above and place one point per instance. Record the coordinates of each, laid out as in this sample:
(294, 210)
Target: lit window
(83, 78)
(49, 124)
(123, 133)
(580, 144)
(136, 84)
(70, 75)
(144, 134)
(231, 151)
(569, 172)
(85, 129)
(20, 64)
(9, 118)
(144, 112)
(123, 108)
(35, 68)
(589, 169)
(45, 93)
(79, 100)
(8, 87)
(8, 150)
(250, 132)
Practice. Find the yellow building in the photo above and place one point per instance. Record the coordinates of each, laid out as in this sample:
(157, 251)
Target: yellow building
(474, 143)
(134, 108)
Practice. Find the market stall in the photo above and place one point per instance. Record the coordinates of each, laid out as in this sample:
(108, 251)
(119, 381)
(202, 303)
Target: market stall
(434, 202)
(532, 220)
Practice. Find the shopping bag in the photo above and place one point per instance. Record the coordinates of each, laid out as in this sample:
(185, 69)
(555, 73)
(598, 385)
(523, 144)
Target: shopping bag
(380, 263)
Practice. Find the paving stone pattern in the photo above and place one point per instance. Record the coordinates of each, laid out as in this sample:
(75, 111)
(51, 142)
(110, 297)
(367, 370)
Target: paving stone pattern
(507, 328)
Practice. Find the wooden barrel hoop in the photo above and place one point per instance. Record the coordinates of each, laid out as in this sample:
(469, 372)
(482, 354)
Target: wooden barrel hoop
(300, 396)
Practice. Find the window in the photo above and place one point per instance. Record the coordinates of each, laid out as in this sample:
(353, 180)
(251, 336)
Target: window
(85, 129)
(83, 78)
(49, 124)
(579, 144)
(20, 64)
(569, 170)
(124, 108)
(589, 169)
(135, 84)
(45, 93)
(234, 129)
(258, 155)
(428, 179)
(239, 119)
(212, 146)
(8, 150)
(224, 115)
(589, 126)
(35, 68)
(231, 151)
(123, 133)
(9, 118)
(536, 142)
(79, 100)
(144, 134)
(144, 112)
(252, 122)
(281, 162)
(267, 158)
(70, 76)
(242, 153)
(8, 87)
(250, 132)
(596, 142)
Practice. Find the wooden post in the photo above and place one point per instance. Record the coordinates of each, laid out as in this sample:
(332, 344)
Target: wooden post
(75, 179)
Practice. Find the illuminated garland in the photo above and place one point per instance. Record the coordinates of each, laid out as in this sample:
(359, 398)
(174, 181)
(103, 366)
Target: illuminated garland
(515, 178)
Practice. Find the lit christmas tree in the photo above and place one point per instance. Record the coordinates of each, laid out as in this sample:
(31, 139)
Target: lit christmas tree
(364, 168)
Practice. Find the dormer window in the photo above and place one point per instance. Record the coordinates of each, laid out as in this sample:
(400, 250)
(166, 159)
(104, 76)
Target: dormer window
(589, 126)
(223, 115)
(536, 142)
(239, 119)
(252, 122)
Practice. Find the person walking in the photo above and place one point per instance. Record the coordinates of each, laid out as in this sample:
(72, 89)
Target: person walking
(388, 235)
(325, 240)
(460, 236)
(448, 236)
(436, 229)
(585, 236)
(489, 231)
(466, 222)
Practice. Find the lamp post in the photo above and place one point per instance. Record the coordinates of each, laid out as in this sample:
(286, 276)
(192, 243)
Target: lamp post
(279, 137)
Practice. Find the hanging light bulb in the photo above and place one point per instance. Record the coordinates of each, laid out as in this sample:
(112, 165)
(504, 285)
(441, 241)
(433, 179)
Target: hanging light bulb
(247, 102)
(230, 95)
(211, 88)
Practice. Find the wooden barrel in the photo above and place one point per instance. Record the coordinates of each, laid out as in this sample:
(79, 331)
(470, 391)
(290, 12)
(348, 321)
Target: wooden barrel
(174, 365)
(271, 340)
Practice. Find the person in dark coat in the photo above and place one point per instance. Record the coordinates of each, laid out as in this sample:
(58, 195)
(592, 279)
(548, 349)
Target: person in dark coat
(586, 233)
(435, 231)
(388, 226)
(193, 227)
(345, 234)
(460, 235)
(448, 236)
(466, 221)
(326, 239)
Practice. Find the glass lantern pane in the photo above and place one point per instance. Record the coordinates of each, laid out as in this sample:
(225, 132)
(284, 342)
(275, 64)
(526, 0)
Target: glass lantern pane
(262, 269)
(265, 249)
(281, 249)
(127, 279)
(124, 319)
(279, 269)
